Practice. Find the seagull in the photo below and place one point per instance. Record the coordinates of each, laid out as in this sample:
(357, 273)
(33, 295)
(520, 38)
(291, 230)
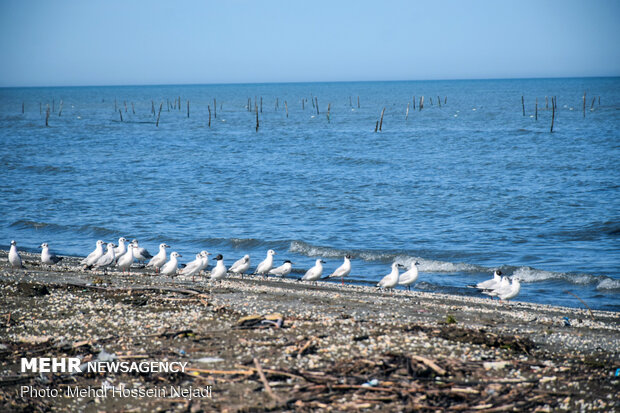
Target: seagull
(158, 260)
(139, 253)
(108, 259)
(219, 272)
(170, 268)
(410, 276)
(502, 287)
(515, 288)
(121, 249)
(205, 260)
(390, 280)
(47, 257)
(267, 264)
(14, 259)
(283, 270)
(95, 255)
(315, 272)
(240, 266)
(343, 270)
(193, 267)
(124, 261)
(492, 283)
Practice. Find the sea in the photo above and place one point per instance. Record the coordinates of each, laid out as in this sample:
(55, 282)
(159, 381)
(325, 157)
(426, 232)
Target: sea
(471, 181)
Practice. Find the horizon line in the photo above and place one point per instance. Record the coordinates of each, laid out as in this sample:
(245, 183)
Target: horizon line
(310, 82)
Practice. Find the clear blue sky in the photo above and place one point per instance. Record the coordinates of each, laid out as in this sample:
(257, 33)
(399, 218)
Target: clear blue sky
(121, 42)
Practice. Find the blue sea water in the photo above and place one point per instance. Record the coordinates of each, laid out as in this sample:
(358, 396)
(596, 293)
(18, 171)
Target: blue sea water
(463, 188)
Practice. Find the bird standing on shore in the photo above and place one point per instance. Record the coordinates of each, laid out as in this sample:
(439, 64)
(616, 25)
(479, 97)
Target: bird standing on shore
(205, 260)
(121, 248)
(343, 270)
(124, 261)
(499, 288)
(108, 259)
(266, 265)
(47, 258)
(170, 268)
(139, 253)
(492, 283)
(159, 259)
(240, 266)
(92, 258)
(14, 259)
(192, 268)
(410, 276)
(219, 272)
(314, 273)
(283, 270)
(390, 280)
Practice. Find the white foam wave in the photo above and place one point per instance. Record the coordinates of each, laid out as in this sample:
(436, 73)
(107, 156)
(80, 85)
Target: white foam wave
(609, 284)
(437, 266)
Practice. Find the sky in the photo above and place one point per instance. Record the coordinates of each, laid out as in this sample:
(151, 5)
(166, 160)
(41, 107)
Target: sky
(124, 42)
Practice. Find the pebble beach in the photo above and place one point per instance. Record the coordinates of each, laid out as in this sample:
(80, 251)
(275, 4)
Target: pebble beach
(283, 345)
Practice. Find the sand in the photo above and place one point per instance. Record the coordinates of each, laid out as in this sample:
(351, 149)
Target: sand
(327, 347)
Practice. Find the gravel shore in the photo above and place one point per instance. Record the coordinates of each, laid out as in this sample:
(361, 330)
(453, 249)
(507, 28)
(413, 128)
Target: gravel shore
(283, 345)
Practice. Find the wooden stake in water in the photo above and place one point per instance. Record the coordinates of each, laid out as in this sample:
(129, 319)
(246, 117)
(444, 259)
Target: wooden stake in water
(261, 104)
(257, 120)
(188, 108)
(553, 113)
(316, 100)
(286, 108)
(414, 103)
(214, 109)
(592, 105)
(431, 99)
(161, 105)
(277, 105)
(302, 104)
(47, 115)
(523, 104)
(120, 112)
(407, 113)
(439, 101)
(381, 122)
(152, 108)
(60, 111)
(40, 109)
(350, 102)
(376, 126)
(168, 104)
(536, 113)
(133, 109)
(421, 105)
(445, 100)
(358, 102)
(329, 105)
(584, 104)
(546, 103)
(209, 109)
(179, 103)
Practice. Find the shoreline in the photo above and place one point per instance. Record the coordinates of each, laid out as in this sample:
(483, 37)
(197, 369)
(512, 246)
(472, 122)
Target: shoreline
(426, 351)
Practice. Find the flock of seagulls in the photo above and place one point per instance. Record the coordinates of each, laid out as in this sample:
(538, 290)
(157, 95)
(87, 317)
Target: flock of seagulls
(124, 254)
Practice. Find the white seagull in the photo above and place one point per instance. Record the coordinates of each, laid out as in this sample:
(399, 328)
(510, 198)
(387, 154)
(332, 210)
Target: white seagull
(283, 270)
(14, 259)
(47, 257)
(205, 260)
(121, 249)
(219, 272)
(170, 268)
(267, 264)
(343, 270)
(95, 255)
(410, 276)
(240, 266)
(515, 288)
(390, 280)
(124, 261)
(492, 283)
(502, 287)
(108, 259)
(158, 260)
(193, 268)
(139, 253)
(315, 272)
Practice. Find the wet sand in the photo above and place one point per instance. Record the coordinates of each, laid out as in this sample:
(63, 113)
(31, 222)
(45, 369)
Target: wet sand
(325, 347)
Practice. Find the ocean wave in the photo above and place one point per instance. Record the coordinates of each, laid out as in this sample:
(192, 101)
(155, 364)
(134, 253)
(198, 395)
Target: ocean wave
(532, 275)
(609, 284)
(92, 230)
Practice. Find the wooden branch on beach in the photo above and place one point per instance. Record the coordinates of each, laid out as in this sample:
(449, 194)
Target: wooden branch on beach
(263, 379)
(583, 302)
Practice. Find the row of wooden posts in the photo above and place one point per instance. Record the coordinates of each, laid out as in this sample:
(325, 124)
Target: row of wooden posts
(175, 104)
